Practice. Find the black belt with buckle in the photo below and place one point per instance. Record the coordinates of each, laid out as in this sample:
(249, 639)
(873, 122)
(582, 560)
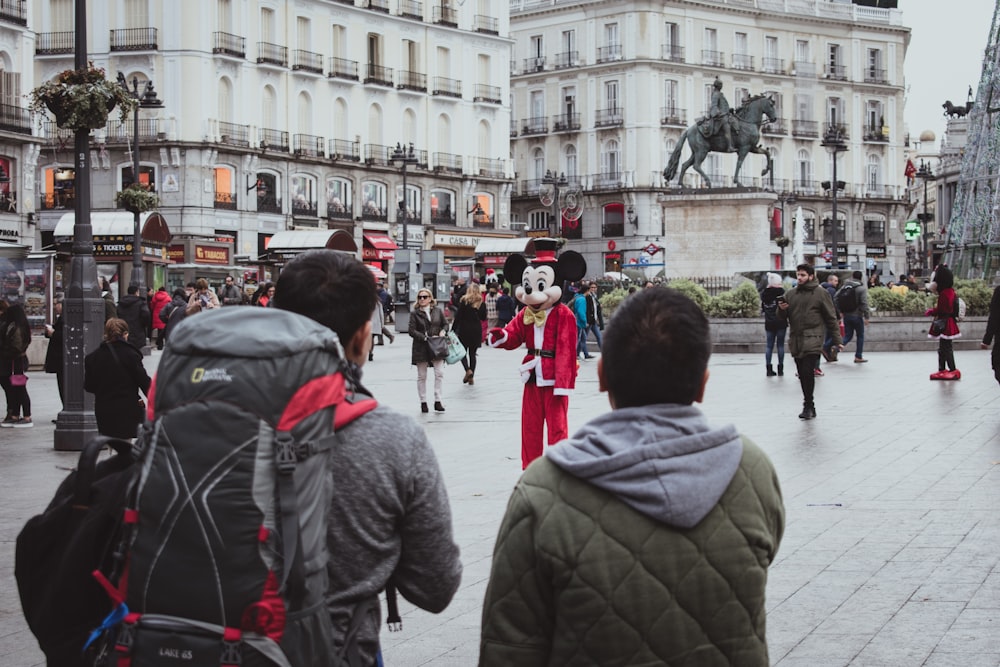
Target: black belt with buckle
(545, 354)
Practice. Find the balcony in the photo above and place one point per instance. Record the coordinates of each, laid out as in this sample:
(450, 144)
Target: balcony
(612, 229)
(743, 61)
(486, 24)
(378, 6)
(491, 168)
(613, 117)
(536, 125)
(713, 58)
(272, 54)
(805, 187)
(673, 116)
(611, 53)
(566, 59)
(489, 94)
(56, 135)
(378, 155)
(343, 69)
(268, 203)
(275, 140)
(307, 61)
(53, 43)
(836, 72)
(225, 200)
(131, 39)
(808, 129)
(803, 68)
(448, 163)
(875, 75)
(307, 145)
(378, 75)
(513, 128)
(606, 181)
(15, 119)
(447, 87)
(838, 130)
(232, 134)
(304, 208)
(414, 81)
(536, 64)
(372, 212)
(14, 11)
(60, 199)
(443, 219)
(121, 132)
(226, 44)
(338, 210)
(445, 16)
(672, 52)
(876, 133)
(411, 9)
(567, 122)
(772, 66)
(341, 149)
(778, 126)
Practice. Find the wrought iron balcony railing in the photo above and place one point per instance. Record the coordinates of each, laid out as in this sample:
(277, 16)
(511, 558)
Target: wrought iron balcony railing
(268, 203)
(307, 145)
(805, 128)
(566, 59)
(272, 54)
(777, 126)
(487, 25)
(836, 72)
(225, 200)
(447, 87)
(448, 162)
(411, 81)
(274, 140)
(610, 53)
(567, 122)
(876, 133)
(672, 116)
(307, 61)
(535, 125)
(743, 61)
(226, 44)
(15, 119)
(343, 69)
(713, 58)
(484, 93)
(233, 134)
(609, 117)
(411, 9)
(121, 132)
(772, 66)
(875, 75)
(673, 53)
(378, 75)
(341, 149)
(50, 43)
(445, 16)
(14, 11)
(133, 39)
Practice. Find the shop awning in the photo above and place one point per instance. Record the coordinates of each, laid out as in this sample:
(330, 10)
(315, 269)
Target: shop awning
(117, 223)
(380, 241)
(299, 240)
(496, 246)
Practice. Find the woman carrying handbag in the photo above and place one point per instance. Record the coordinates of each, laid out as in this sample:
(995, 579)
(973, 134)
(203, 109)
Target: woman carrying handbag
(427, 322)
(468, 325)
(15, 336)
(114, 374)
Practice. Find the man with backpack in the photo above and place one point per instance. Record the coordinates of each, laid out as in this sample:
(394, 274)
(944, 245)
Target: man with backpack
(852, 302)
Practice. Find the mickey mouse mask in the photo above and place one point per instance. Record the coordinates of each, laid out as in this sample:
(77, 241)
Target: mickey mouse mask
(542, 278)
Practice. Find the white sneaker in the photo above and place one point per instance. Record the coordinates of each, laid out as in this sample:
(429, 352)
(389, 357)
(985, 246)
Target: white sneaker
(24, 422)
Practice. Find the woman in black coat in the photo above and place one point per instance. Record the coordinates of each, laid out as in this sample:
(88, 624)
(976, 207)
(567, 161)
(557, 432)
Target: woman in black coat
(54, 352)
(114, 374)
(468, 326)
(427, 321)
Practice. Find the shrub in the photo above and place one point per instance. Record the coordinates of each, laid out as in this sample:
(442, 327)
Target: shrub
(744, 301)
(610, 301)
(976, 294)
(693, 291)
(884, 300)
(917, 303)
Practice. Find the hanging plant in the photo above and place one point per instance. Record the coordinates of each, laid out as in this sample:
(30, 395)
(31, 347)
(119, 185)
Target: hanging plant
(81, 99)
(136, 199)
(782, 241)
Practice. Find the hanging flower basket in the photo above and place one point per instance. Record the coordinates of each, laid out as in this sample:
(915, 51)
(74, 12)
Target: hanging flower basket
(136, 199)
(782, 241)
(81, 99)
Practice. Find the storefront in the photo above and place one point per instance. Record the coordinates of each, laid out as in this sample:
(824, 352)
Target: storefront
(113, 233)
(377, 250)
(27, 278)
(491, 253)
(283, 246)
(199, 257)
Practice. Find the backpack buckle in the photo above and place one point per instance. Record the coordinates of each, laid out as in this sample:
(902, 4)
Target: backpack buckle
(285, 454)
(232, 653)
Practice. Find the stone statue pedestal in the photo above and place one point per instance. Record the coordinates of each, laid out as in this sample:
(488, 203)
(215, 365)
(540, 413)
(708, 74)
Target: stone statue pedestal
(717, 232)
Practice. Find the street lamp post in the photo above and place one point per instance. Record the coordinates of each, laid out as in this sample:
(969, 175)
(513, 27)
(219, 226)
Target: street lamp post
(83, 311)
(556, 184)
(926, 174)
(401, 318)
(147, 100)
(404, 156)
(833, 140)
(785, 198)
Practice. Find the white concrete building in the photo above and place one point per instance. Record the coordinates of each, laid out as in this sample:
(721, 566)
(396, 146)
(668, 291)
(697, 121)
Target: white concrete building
(602, 91)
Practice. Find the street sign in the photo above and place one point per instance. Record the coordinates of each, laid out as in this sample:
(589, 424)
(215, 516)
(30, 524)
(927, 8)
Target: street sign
(911, 230)
(652, 249)
(827, 255)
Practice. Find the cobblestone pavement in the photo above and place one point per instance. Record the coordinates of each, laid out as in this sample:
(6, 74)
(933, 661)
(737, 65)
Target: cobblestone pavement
(892, 496)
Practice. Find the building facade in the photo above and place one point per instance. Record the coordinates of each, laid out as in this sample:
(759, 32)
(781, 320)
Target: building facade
(601, 92)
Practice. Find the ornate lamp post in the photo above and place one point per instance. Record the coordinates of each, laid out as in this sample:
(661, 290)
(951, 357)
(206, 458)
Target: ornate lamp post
(926, 174)
(785, 198)
(147, 100)
(833, 140)
(549, 196)
(404, 156)
(404, 264)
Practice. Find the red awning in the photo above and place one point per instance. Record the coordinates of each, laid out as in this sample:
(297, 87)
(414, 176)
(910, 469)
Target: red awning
(378, 246)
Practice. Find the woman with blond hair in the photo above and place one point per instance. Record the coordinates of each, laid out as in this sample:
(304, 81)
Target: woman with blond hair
(468, 325)
(427, 321)
(114, 374)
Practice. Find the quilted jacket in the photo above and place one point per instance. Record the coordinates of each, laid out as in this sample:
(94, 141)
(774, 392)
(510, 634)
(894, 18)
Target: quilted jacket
(643, 540)
(810, 315)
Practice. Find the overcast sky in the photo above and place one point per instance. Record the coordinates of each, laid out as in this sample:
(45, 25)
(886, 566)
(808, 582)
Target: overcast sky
(944, 58)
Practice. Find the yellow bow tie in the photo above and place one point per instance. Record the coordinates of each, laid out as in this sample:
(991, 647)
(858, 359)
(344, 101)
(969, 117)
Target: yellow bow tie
(536, 317)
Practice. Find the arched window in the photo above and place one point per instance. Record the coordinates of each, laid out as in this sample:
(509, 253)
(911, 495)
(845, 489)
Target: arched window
(339, 201)
(269, 108)
(375, 124)
(443, 207)
(444, 133)
(414, 201)
(305, 113)
(373, 201)
(873, 174)
(304, 195)
(808, 225)
(537, 165)
(803, 171)
(225, 187)
(572, 167)
(225, 100)
(611, 163)
(482, 209)
(268, 192)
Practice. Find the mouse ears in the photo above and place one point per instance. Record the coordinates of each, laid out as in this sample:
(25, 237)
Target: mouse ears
(513, 268)
(571, 266)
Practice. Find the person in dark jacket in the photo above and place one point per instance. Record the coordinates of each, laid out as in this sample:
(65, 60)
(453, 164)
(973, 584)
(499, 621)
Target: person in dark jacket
(646, 537)
(506, 308)
(178, 302)
(468, 326)
(110, 310)
(942, 282)
(15, 337)
(135, 311)
(159, 300)
(774, 328)
(427, 320)
(54, 352)
(114, 374)
(993, 329)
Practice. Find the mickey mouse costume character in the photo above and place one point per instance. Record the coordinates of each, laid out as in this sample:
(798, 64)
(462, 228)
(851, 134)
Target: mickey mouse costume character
(548, 328)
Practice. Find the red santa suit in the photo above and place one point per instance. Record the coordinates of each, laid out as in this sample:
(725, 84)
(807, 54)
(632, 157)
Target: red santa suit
(548, 372)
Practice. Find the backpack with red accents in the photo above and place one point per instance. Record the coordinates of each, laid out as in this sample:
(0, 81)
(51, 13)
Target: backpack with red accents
(226, 528)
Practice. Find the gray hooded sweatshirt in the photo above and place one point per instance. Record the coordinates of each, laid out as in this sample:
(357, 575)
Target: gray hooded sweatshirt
(662, 460)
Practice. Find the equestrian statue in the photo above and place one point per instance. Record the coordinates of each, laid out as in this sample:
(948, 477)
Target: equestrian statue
(724, 131)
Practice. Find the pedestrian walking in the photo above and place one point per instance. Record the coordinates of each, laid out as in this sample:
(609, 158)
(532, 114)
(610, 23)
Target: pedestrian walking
(159, 300)
(491, 298)
(426, 321)
(831, 285)
(579, 306)
(114, 374)
(945, 313)
(646, 537)
(203, 296)
(993, 328)
(852, 302)
(15, 337)
(809, 312)
(231, 294)
(54, 357)
(468, 326)
(134, 310)
(506, 308)
(775, 328)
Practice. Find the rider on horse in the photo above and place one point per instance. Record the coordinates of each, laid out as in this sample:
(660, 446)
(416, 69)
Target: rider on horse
(720, 117)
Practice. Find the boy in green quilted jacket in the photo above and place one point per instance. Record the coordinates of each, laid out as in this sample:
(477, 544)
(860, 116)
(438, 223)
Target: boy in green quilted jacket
(646, 537)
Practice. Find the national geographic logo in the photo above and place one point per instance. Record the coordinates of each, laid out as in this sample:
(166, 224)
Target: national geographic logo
(210, 375)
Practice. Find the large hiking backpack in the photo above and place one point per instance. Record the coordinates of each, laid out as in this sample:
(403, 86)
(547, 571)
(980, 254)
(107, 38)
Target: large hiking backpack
(227, 554)
(847, 298)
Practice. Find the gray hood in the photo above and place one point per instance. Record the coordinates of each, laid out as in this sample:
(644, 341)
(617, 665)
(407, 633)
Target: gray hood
(662, 460)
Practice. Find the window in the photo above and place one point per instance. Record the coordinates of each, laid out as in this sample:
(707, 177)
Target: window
(267, 29)
(611, 161)
(611, 95)
(537, 46)
(803, 107)
(374, 49)
(538, 220)
(808, 225)
(339, 203)
(538, 164)
(136, 14)
(482, 210)
(802, 51)
(443, 207)
(569, 41)
(611, 34)
(569, 101)
(875, 72)
(61, 15)
(572, 173)
(414, 202)
(269, 108)
(671, 36)
(670, 104)
(303, 195)
(147, 176)
(10, 88)
(835, 69)
(770, 49)
(59, 187)
(614, 220)
(711, 39)
(874, 230)
(225, 192)
(536, 103)
(224, 15)
(268, 192)
(373, 204)
(873, 174)
(338, 41)
(834, 111)
(803, 171)
(741, 55)
(303, 31)
(741, 95)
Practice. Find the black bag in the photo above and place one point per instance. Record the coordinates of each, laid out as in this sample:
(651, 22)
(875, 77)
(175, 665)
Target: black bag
(847, 298)
(939, 325)
(58, 550)
(438, 346)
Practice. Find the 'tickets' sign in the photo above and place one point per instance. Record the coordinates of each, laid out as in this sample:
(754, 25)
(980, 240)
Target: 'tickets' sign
(205, 254)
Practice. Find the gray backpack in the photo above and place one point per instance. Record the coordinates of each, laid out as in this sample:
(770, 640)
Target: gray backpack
(227, 551)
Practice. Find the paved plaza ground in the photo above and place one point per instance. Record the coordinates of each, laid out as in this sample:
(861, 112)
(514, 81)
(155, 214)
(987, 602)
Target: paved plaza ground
(890, 554)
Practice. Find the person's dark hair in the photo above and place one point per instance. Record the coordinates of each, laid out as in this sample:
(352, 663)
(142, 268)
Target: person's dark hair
(944, 277)
(669, 364)
(15, 314)
(105, 285)
(334, 289)
(857, 275)
(808, 268)
(179, 293)
(132, 289)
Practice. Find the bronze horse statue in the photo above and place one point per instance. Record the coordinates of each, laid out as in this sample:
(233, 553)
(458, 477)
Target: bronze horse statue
(745, 139)
(953, 111)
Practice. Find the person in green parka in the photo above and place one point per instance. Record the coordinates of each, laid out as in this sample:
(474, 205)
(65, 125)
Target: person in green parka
(646, 537)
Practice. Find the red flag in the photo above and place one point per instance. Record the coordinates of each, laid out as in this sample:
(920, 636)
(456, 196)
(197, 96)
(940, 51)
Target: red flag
(910, 170)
